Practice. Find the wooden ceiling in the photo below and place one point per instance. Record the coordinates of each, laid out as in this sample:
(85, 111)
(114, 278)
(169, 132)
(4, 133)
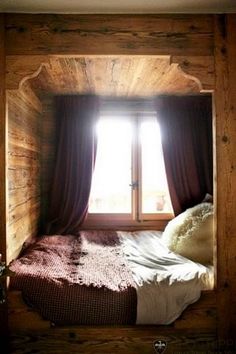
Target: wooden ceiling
(117, 76)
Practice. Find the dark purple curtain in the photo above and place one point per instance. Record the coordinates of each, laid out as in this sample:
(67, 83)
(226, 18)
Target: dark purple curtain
(75, 158)
(186, 129)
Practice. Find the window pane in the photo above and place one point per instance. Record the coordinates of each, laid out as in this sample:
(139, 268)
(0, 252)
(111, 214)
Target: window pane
(111, 192)
(155, 195)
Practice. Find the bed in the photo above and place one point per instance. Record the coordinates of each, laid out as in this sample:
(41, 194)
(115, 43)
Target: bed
(108, 278)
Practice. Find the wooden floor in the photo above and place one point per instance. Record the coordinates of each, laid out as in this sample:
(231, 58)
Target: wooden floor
(193, 333)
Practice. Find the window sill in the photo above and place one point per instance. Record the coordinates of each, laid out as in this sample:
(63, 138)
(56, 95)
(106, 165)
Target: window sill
(125, 222)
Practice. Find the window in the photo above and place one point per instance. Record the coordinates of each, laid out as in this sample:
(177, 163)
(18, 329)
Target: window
(129, 181)
(112, 176)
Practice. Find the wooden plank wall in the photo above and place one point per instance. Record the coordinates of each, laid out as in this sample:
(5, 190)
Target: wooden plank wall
(109, 34)
(225, 106)
(3, 127)
(24, 139)
(2, 141)
(47, 156)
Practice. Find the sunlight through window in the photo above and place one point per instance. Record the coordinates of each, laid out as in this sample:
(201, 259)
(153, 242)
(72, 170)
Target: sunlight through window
(110, 186)
(129, 176)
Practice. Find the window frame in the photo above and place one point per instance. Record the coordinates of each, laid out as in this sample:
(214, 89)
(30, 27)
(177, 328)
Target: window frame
(135, 219)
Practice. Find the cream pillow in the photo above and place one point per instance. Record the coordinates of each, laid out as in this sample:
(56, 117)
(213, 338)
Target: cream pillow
(190, 234)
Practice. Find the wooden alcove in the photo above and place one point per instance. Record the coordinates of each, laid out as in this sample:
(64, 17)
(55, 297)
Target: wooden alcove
(202, 47)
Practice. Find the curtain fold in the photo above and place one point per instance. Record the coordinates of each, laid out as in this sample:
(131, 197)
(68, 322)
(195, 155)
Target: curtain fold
(186, 129)
(76, 117)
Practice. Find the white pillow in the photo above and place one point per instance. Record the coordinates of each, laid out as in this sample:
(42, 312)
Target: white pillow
(190, 234)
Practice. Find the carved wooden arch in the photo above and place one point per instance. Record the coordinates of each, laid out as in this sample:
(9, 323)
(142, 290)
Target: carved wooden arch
(23, 74)
(21, 69)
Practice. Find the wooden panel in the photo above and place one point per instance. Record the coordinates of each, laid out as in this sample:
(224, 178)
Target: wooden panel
(200, 67)
(192, 332)
(22, 317)
(20, 68)
(24, 139)
(113, 341)
(23, 229)
(225, 108)
(109, 34)
(201, 314)
(48, 156)
(111, 75)
(2, 143)
(3, 207)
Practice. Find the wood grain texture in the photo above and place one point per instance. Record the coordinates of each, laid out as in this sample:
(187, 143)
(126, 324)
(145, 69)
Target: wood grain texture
(2, 141)
(127, 76)
(24, 160)
(109, 34)
(189, 40)
(113, 75)
(225, 108)
(3, 181)
(113, 341)
(48, 149)
(20, 68)
(200, 67)
(193, 331)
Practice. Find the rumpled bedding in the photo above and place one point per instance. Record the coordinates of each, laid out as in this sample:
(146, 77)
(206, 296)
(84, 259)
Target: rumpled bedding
(166, 283)
(102, 277)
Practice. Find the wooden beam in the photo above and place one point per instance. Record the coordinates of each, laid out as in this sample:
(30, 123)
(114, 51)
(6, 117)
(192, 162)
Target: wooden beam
(109, 34)
(2, 142)
(3, 127)
(225, 110)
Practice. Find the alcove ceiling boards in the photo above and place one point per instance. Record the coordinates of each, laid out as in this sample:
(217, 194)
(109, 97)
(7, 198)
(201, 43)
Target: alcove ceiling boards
(117, 76)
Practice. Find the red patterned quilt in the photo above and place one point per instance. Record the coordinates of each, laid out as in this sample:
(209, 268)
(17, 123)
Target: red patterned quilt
(81, 279)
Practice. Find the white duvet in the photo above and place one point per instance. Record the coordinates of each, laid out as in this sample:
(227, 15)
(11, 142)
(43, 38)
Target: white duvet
(166, 282)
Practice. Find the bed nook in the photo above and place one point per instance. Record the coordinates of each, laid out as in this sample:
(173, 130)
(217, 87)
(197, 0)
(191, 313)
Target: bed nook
(110, 248)
(112, 238)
